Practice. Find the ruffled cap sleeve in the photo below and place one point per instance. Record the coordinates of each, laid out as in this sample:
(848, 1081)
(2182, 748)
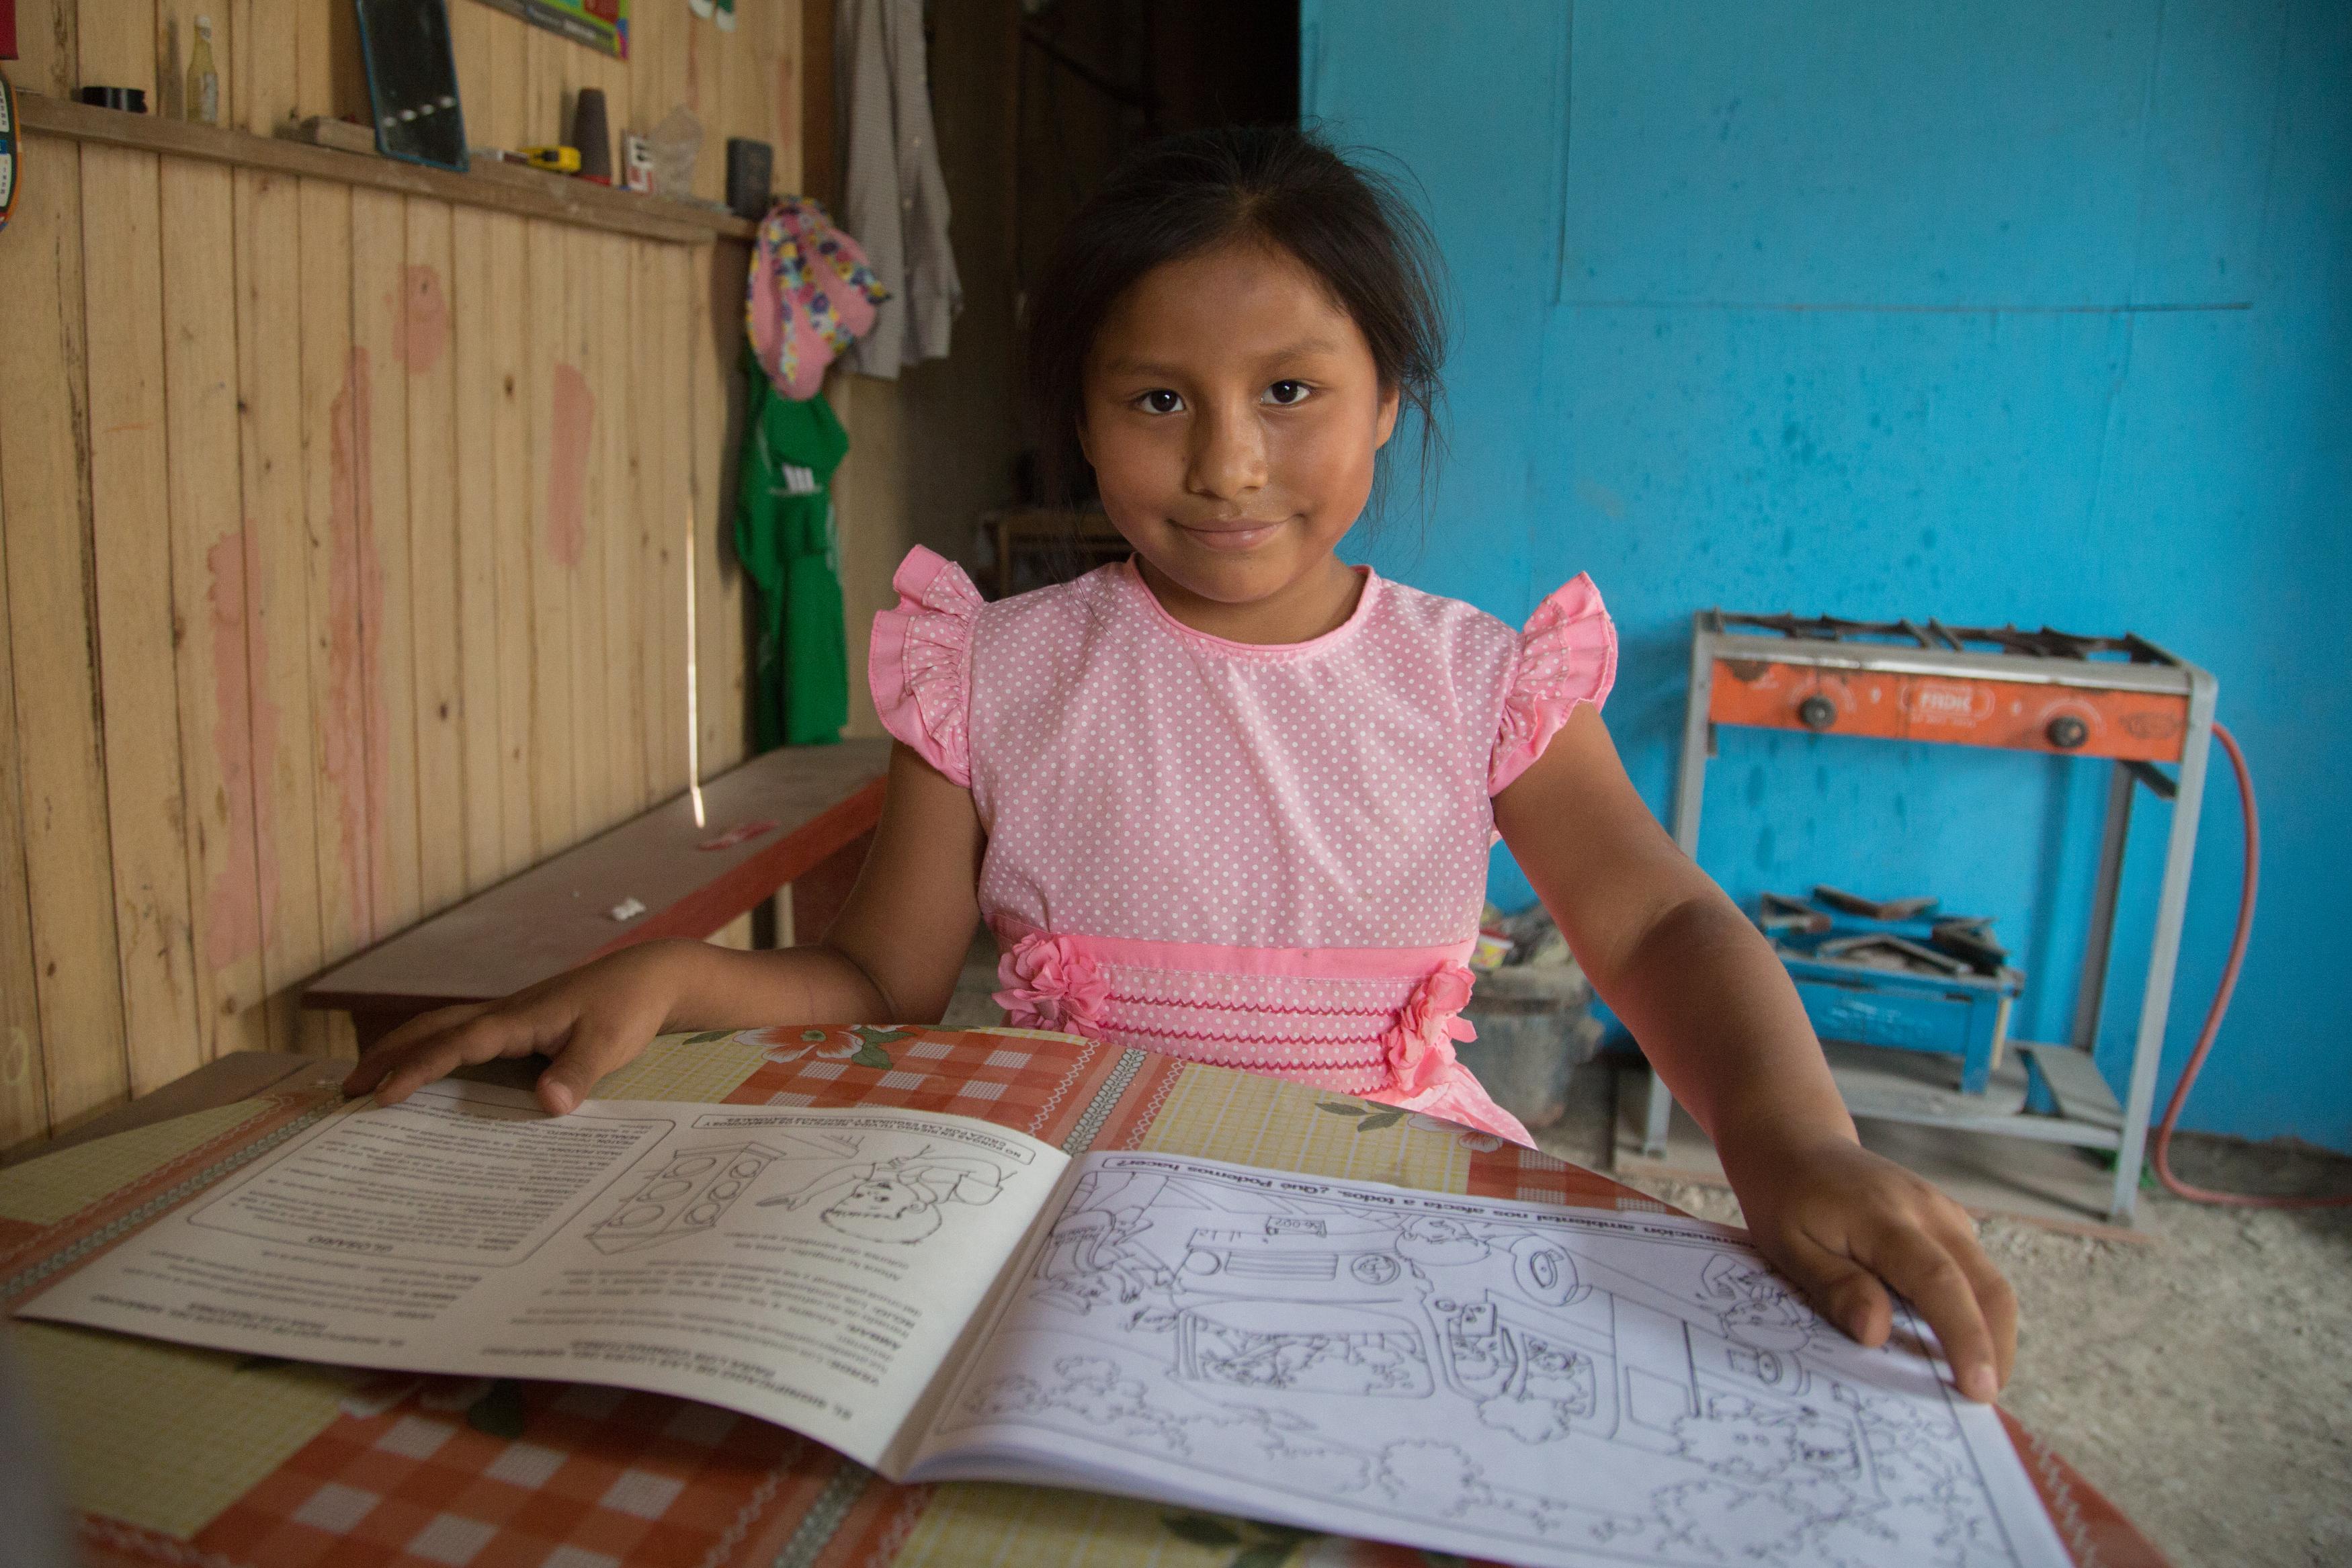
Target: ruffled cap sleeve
(1568, 655)
(919, 662)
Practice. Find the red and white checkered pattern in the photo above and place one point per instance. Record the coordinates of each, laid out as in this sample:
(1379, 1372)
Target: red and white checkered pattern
(600, 1476)
(1526, 1176)
(1038, 1086)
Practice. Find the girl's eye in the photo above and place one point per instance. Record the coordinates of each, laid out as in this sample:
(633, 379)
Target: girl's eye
(1286, 394)
(1160, 401)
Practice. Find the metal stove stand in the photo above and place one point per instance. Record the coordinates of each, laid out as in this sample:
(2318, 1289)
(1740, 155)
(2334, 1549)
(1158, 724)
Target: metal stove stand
(2121, 699)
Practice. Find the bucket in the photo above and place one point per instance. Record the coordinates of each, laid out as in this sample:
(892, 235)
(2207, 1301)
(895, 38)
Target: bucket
(1534, 1027)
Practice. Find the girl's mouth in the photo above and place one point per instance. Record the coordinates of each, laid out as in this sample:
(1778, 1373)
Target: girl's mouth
(1242, 533)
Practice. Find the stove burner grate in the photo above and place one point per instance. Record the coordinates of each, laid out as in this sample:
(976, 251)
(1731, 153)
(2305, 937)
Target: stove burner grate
(2049, 642)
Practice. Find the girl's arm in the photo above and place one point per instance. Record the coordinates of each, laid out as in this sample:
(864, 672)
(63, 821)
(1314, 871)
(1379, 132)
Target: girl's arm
(1716, 1015)
(891, 957)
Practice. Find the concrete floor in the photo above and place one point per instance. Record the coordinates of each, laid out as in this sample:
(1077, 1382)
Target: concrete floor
(2202, 1381)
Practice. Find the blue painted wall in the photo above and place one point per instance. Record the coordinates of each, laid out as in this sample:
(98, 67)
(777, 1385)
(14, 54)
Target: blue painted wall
(1996, 311)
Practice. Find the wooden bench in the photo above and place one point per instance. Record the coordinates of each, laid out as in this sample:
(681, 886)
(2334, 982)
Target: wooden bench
(799, 817)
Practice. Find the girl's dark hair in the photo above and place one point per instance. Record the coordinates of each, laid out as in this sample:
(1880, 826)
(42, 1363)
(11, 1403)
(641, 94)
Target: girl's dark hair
(1352, 228)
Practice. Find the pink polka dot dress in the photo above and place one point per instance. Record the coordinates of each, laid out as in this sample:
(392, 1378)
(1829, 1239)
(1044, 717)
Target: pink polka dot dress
(1264, 857)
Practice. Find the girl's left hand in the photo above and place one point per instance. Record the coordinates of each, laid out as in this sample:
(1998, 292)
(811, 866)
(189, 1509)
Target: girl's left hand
(1845, 1224)
(1711, 1003)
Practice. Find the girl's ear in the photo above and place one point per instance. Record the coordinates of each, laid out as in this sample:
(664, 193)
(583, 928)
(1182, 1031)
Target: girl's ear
(1085, 451)
(1385, 426)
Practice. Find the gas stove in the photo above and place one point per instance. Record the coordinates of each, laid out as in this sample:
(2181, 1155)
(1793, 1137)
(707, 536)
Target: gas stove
(2121, 698)
(2045, 690)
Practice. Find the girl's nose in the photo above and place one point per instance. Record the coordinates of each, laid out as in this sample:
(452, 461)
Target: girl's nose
(1228, 454)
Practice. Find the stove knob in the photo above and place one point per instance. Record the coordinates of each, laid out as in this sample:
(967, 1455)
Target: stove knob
(2067, 732)
(1817, 711)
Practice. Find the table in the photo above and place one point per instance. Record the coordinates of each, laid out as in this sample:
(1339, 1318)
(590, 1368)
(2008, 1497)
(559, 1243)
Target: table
(196, 1457)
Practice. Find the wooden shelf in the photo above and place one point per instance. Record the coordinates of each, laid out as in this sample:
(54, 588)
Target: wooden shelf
(501, 187)
(808, 803)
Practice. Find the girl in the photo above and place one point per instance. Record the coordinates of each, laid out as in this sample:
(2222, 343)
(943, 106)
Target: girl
(1232, 799)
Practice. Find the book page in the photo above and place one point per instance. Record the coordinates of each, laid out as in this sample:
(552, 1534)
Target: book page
(1505, 1380)
(810, 1267)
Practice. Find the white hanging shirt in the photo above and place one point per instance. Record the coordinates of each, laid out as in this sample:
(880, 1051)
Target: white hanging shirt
(895, 201)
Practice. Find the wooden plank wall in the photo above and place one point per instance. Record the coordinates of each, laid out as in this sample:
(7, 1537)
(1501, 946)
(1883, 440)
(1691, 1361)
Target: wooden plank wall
(341, 533)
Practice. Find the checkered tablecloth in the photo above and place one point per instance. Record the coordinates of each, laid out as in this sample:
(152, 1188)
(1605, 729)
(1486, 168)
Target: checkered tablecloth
(202, 1459)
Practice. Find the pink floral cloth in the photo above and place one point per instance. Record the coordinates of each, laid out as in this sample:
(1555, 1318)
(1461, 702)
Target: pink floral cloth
(1265, 857)
(809, 294)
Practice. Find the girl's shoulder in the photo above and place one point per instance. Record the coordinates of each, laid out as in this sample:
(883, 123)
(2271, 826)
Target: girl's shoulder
(1089, 597)
(920, 661)
(1530, 678)
(1454, 628)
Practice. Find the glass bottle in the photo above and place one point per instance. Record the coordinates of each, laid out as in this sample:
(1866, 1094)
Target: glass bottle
(203, 81)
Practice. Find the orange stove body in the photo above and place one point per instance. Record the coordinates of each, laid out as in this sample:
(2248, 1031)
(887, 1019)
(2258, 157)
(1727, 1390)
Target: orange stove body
(1965, 710)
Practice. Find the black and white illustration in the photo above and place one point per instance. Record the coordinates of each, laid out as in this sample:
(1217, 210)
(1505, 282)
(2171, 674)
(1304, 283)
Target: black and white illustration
(881, 1182)
(1554, 1388)
(902, 1200)
(686, 1195)
(689, 1187)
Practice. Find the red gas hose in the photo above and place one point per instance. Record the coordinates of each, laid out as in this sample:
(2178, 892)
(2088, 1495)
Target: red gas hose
(2162, 1150)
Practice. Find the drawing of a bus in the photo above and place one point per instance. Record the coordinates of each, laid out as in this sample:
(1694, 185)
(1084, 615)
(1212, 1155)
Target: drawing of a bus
(1365, 1308)
(1300, 1259)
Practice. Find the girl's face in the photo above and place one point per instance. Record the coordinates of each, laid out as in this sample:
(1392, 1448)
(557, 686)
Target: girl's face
(1232, 413)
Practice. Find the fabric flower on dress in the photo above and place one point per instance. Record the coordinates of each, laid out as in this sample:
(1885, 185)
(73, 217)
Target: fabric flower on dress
(1051, 983)
(1420, 1044)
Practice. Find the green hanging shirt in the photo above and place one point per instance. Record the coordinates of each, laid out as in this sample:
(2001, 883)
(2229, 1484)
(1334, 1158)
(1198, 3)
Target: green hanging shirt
(783, 537)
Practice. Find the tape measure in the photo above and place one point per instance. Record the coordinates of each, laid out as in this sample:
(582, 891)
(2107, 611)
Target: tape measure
(555, 160)
(7, 150)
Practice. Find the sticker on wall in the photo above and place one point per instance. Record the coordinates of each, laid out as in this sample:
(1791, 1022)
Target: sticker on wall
(601, 25)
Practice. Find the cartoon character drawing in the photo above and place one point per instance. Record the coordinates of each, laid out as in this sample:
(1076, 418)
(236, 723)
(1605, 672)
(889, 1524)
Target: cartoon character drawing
(1524, 1375)
(1092, 1259)
(1434, 1240)
(898, 1200)
(1754, 1307)
(1267, 1344)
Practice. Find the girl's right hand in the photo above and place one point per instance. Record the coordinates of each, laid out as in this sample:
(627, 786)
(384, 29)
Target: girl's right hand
(587, 1021)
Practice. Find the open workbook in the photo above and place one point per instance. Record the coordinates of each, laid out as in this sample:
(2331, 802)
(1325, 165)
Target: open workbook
(942, 1298)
